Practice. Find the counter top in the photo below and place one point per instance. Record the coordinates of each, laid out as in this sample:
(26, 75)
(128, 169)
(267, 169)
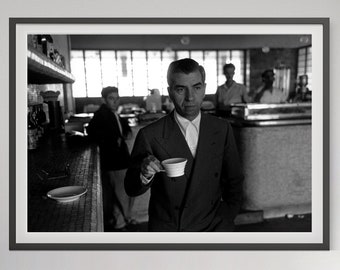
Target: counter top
(237, 122)
(258, 112)
(61, 161)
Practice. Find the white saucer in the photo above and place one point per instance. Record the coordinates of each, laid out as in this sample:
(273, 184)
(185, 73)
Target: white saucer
(67, 194)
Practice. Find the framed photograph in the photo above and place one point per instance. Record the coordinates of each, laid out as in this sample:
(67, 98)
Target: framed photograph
(58, 67)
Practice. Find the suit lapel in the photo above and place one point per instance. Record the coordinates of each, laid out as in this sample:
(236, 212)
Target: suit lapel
(111, 117)
(207, 146)
(207, 140)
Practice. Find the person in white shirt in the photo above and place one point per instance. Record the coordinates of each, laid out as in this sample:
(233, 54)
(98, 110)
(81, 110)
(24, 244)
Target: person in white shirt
(267, 93)
(209, 194)
(230, 92)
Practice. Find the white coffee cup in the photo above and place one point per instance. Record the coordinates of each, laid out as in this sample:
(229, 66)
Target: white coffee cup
(174, 167)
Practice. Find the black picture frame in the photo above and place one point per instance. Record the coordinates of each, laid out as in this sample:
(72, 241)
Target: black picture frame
(16, 244)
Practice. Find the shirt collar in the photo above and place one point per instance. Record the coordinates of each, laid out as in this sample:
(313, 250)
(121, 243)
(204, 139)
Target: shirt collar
(232, 84)
(183, 122)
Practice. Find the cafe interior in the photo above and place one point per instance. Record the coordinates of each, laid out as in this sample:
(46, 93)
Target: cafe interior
(65, 76)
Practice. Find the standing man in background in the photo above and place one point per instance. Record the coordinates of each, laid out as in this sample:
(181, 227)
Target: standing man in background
(109, 131)
(230, 92)
(208, 196)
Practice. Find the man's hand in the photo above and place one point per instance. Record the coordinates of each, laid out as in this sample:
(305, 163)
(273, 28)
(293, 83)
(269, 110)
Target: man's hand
(150, 166)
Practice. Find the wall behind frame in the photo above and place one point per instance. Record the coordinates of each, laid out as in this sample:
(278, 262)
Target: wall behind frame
(311, 260)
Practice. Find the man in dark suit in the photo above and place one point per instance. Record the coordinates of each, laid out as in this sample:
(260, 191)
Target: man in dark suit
(208, 196)
(109, 131)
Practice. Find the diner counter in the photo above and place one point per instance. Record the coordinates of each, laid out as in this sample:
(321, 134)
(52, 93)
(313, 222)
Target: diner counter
(276, 156)
(62, 160)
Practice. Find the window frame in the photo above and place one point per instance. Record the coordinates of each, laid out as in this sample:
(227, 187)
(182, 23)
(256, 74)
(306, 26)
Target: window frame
(219, 67)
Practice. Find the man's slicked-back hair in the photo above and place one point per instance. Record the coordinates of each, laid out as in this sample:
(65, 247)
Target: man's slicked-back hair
(108, 90)
(186, 65)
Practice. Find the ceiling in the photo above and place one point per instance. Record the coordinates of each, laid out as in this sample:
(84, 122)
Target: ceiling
(188, 42)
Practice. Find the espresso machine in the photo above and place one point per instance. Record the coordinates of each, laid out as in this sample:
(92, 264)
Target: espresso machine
(55, 115)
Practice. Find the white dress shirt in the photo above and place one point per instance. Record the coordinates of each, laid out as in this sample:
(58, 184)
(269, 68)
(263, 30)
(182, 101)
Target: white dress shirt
(190, 130)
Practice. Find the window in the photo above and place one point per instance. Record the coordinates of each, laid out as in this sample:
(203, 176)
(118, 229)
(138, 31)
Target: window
(134, 72)
(211, 66)
(139, 73)
(305, 64)
(154, 71)
(93, 73)
(109, 68)
(78, 70)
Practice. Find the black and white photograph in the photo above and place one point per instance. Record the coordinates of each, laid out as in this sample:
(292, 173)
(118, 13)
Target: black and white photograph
(169, 134)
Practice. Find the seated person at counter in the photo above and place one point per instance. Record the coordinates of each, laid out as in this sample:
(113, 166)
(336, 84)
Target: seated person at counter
(230, 92)
(302, 93)
(267, 92)
(109, 131)
(208, 196)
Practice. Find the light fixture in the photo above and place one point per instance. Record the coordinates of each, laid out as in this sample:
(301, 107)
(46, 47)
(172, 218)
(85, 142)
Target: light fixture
(265, 49)
(304, 39)
(168, 49)
(185, 40)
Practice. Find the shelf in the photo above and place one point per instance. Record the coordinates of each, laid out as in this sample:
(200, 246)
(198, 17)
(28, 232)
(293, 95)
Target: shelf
(42, 70)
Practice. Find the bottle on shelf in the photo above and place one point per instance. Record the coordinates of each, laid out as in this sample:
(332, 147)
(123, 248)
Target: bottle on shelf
(46, 42)
(41, 119)
(32, 131)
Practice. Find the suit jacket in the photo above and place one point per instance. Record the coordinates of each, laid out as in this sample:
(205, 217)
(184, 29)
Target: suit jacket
(208, 196)
(104, 130)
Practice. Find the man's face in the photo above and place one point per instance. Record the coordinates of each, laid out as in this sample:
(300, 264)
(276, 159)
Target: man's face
(112, 101)
(229, 73)
(187, 93)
